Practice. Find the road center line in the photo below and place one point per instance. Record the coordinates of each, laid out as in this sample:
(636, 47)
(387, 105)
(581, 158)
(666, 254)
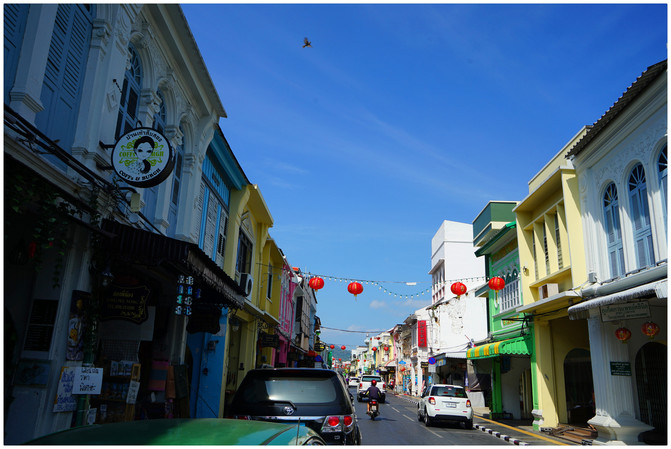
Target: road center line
(411, 419)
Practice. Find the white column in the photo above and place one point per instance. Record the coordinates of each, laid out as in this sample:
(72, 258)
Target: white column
(615, 407)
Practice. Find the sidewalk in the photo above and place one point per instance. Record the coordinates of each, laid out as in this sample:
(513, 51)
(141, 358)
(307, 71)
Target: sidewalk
(518, 432)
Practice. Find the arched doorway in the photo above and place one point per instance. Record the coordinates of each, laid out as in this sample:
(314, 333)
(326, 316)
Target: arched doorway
(651, 373)
(579, 386)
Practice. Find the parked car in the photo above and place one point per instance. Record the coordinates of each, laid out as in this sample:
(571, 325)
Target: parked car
(314, 397)
(442, 402)
(183, 431)
(364, 383)
(353, 382)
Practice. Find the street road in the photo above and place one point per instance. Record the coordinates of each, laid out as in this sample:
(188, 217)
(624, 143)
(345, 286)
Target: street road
(398, 425)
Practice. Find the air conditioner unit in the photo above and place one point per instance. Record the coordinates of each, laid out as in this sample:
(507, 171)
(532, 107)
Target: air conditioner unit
(246, 282)
(547, 290)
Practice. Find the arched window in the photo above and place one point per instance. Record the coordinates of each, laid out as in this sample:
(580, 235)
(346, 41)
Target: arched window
(176, 185)
(662, 167)
(130, 95)
(611, 213)
(640, 216)
(151, 194)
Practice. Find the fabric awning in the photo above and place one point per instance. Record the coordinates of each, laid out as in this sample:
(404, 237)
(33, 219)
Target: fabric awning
(133, 245)
(512, 346)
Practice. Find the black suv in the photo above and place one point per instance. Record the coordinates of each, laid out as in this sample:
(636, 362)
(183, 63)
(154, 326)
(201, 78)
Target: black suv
(313, 397)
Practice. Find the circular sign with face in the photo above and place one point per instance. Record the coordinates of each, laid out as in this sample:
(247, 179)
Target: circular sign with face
(143, 157)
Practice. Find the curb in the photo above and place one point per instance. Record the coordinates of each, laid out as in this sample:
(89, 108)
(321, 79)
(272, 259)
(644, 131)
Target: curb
(495, 433)
(500, 435)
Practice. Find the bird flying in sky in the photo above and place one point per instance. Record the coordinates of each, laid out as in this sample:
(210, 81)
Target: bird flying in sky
(307, 43)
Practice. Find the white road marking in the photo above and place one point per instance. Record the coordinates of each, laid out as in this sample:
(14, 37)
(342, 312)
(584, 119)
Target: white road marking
(411, 419)
(394, 409)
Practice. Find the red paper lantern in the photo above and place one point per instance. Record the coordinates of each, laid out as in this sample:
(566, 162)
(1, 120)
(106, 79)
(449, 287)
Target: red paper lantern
(623, 334)
(343, 347)
(374, 349)
(458, 289)
(355, 288)
(386, 348)
(316, 283)
(402, 368)
(332, 346)
(497, 283)
(650, 329)
(340, 360)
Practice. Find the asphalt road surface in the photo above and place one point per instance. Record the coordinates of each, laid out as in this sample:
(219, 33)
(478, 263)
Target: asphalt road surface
(397, 424)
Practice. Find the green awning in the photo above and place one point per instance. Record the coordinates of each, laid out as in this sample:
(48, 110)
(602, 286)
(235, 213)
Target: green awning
(513, 346)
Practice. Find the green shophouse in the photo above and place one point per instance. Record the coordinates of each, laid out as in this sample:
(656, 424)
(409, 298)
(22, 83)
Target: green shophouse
(506, 353)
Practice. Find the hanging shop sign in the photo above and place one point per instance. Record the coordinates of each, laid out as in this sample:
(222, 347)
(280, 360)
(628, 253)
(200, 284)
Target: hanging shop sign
(421, 333)
(126, 303)
(270, 340)
(143, 157)
(615, 312)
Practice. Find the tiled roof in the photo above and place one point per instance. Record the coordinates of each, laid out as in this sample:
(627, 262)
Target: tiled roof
(641, 83)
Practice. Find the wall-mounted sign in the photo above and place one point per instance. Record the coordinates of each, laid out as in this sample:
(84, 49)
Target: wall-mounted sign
(614, 312)
(620, 369)
(88, 380)
(126, 303)
(143, 157)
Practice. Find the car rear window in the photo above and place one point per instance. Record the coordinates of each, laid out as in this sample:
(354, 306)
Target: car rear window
(369, 378)
(452, 392)
(303, 390)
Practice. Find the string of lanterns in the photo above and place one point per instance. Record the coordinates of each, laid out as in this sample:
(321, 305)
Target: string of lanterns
(355, 287)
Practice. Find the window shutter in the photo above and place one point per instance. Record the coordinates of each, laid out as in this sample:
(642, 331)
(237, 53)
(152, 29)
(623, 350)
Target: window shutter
(638, 196)
(15, 25)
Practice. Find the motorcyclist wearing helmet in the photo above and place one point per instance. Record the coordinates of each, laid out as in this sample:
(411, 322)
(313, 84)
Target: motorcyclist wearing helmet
(373, 392)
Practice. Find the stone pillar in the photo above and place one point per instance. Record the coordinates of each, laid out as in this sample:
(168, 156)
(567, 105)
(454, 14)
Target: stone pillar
(615, 406)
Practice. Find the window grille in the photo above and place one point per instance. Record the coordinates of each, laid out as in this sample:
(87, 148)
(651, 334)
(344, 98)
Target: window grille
(560, 257)
(545, 250)
(510, 295)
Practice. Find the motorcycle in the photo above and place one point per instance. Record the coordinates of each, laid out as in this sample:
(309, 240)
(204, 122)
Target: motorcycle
(374, 409)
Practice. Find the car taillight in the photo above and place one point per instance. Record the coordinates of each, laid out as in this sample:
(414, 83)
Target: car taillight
(361, 385)
(333, 421)
(468, 402)
(384, 386)
(432, 400)
(348, 420)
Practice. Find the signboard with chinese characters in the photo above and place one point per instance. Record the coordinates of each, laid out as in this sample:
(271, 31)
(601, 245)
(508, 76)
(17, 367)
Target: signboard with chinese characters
(629, 310)
(421, 333)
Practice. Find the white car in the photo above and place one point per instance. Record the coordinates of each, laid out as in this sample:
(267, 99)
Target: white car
(353, 382)
(441, 402)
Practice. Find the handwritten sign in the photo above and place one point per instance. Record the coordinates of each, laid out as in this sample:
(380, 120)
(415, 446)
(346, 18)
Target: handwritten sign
(133, 389)
(88, 380)
(64, 401)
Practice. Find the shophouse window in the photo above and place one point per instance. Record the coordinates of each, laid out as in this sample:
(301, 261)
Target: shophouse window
(611, 212)
(510, 295)
(130, 94)
(150, 194)
(15, 26)
(176, 183)
(662, 167)
(244, 261)
(638, 197)
(64, 73)
(533, 247)
(560, 257)
(545, 251)
(269, 294)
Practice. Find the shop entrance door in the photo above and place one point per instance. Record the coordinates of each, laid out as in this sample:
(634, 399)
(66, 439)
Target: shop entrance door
(579, 386)
(526, 395)
(651, 373)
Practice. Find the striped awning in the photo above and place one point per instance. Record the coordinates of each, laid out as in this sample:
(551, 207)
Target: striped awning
(518, 346)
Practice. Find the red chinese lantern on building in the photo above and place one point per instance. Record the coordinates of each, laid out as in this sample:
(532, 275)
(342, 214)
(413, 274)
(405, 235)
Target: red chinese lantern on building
(355, 288)
(332, 346)
(343, 347)
(374, 349)
(497, 283)
(340, 360)
(458, 289)
(386, 348)
(402, 368)
(316, 283)
(650, 329)
(623, 334)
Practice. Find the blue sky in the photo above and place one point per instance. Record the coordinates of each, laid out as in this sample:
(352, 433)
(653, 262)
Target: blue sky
(401, 116)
